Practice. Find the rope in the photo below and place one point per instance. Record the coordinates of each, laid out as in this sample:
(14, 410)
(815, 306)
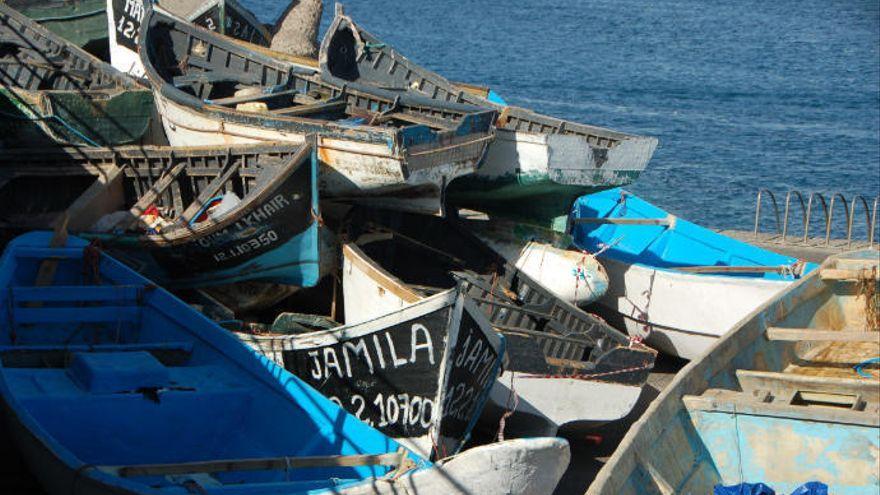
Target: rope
(860, 367)
(510, 410)
(92, 260)
(588, 376)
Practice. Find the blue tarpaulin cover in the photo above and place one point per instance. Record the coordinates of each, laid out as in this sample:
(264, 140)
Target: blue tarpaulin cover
(810, 488)
(744, 489)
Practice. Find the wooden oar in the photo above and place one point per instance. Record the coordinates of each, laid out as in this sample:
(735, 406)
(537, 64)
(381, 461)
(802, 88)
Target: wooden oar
(668, 221)
(731, 269)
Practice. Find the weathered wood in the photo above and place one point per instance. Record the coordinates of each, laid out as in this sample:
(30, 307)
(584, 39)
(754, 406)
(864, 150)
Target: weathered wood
(514, 307)
(626, 221)
(333, 106)
(412, 119)
(786, 384)
(249, 98)
(731, 269)
(210, 191)
(843, 275)
(153, 193)
(808, 334)
(266, 464)
(105, 195)
(46, 272)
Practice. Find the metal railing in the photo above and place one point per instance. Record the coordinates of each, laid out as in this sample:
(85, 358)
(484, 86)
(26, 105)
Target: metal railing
(816, 200)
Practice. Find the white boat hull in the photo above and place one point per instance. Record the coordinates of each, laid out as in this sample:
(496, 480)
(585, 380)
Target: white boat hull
(678, 313)
(573, 276)
(563, 159)
(372, 173)
(542, 405)
(531, 466)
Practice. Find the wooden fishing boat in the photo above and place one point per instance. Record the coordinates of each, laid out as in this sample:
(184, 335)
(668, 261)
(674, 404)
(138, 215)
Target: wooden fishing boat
(156, 208)
(54, 92)
(420, 374)
(784, 398)
(111, 385)
(391, 150)
(124, 18)
(658, 264)
(565, 366)
(546, 256)
(537, 160)
(81, 22)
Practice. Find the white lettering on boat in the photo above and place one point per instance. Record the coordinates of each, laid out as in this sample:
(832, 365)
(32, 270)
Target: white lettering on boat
(394, 409)
(421, 348)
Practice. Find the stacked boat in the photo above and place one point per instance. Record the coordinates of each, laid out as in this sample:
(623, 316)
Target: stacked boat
(378, 275)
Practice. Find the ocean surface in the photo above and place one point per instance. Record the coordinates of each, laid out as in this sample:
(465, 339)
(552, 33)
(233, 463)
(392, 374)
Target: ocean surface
(742, 95)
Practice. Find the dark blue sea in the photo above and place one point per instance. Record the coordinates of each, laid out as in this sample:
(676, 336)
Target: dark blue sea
(742, 95)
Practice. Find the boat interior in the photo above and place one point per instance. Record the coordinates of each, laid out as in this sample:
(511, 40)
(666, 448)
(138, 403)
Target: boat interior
(96, 359)
(544, 334)
(184, 185)
(628, 229)
(792, 395)
(218, 72)
(363, 58)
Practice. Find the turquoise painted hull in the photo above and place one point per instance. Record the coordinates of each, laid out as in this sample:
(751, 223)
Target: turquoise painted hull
(140, 368)
(781, 399)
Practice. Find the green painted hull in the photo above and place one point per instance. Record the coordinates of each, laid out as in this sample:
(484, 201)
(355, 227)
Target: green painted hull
(82, 22)
(93, 118)
(530, 198)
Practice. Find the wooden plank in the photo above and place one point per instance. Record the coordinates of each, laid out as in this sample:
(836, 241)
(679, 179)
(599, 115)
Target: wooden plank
(809, 334)
(46, 272)
(95, 314)
(154, 346)
(77, 293)
(211, 189)
(731, 269)
(413, 119)
(237, 100)
(835, 274)
(624, 221)
(786, 384)
(514, 307)
(265, 464)
(104, 196)
(333, 106)
(51, 253)
(153, 193)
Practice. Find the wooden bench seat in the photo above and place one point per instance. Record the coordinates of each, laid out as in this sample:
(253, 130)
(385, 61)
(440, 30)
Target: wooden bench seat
(313, 108)
(788, 384)
(237, 100)
(745, 403)
(262, 464)
(810, 334)
(57, 356)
